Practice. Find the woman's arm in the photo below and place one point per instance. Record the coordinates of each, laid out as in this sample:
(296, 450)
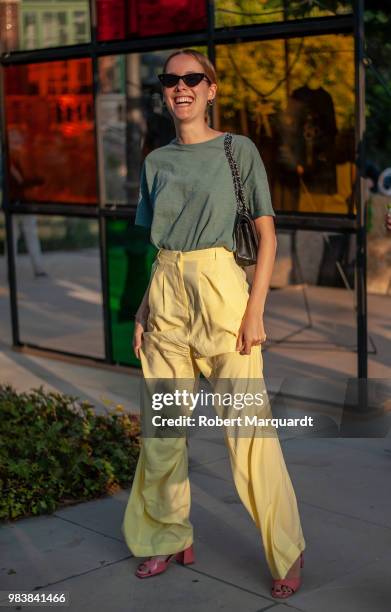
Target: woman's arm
(143, 310)
(140, 323)
(251, 331)
(141, 317)
(144, 218)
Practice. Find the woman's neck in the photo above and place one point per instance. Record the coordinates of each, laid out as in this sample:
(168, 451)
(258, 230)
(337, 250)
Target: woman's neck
(191, 134)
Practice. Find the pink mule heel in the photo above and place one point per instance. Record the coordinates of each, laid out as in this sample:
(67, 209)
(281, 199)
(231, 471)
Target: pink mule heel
(292, 583)
(152, 566)
(186, 557)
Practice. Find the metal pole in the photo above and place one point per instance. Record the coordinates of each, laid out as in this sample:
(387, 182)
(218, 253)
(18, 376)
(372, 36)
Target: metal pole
(360, 395)
(210, 15)
(8, 215)
(102, 221)
(361, 250)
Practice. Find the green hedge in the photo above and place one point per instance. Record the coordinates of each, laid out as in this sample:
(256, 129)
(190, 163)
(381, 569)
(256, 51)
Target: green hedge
(54, 450)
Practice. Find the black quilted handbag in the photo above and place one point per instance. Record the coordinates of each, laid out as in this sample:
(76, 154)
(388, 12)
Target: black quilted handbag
(245, 233)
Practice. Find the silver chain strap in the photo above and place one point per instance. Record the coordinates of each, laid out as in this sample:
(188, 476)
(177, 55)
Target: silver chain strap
(239, 192)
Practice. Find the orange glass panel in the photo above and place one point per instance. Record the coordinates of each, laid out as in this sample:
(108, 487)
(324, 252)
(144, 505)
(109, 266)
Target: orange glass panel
(295, 100)
(50, 130)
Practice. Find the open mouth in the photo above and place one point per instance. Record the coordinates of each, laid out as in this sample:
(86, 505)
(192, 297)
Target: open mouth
(183, 101)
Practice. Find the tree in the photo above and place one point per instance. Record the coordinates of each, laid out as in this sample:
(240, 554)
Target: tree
(378, 82)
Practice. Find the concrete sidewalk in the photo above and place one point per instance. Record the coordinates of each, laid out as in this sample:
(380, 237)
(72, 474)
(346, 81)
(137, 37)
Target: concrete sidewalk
(346, 516)
(342, 487)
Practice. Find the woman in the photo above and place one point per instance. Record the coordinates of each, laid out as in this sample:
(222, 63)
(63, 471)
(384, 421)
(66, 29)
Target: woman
(198, 315)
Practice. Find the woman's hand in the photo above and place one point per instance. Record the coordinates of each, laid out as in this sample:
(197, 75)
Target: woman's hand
(140, 326)
(251, 332)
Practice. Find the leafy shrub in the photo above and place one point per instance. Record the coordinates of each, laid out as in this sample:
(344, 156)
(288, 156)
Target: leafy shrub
(55, 450)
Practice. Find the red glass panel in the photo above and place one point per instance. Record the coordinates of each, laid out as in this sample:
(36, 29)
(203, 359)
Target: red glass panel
(167, 16)
(111, 19)
(50, 129)
(122, 18)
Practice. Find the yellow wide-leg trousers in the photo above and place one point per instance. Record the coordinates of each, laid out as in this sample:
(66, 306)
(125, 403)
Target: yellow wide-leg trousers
(197, 300)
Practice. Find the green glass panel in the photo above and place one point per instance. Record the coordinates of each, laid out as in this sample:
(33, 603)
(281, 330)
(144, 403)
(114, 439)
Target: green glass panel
(130, 256)
(41, 24)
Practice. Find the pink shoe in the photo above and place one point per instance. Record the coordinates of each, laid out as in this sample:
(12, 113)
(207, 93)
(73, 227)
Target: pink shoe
(153, 566)
(291, 583)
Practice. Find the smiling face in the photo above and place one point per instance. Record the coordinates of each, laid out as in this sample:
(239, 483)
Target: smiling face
(186, 103)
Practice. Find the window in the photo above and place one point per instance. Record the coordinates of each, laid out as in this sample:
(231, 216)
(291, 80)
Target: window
(295, 99)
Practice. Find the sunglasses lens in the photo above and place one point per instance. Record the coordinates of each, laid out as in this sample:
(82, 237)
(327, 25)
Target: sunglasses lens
(192, 80)
(168, 80)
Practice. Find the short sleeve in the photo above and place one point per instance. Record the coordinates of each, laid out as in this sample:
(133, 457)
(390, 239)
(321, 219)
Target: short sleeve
(144, 212)
(254, 180)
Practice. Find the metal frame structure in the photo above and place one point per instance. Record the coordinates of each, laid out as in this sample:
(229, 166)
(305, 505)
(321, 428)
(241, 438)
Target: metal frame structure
(354, 224)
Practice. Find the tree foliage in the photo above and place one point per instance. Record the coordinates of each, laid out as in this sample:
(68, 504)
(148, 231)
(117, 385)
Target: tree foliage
(378, 81)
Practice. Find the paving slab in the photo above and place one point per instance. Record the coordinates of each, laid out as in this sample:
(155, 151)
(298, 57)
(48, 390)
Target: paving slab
(103, 515)
(344, 476)
(116, 588)
(363, 589)
(42, 550)
(103, 388)
(285, 607)
(337, 541)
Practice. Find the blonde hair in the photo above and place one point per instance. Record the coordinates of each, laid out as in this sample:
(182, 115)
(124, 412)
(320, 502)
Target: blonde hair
(202, 59)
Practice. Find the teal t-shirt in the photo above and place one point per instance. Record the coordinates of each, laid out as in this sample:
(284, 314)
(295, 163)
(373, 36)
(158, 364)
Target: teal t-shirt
(187, 195)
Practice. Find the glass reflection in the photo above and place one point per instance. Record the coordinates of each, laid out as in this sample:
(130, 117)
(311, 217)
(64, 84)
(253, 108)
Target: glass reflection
(118, 19)
(58, 278)
(37, 24)
(132, 121)
(295, 100)
(130, 257)
(50, 129)
(250, 12)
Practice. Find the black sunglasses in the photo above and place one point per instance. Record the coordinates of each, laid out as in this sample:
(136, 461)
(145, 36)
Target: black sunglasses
(191, 80)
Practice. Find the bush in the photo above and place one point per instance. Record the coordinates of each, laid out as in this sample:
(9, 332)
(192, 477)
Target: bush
(55, 450)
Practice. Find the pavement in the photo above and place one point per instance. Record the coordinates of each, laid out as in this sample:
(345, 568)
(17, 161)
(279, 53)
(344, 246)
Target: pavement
(341, 484)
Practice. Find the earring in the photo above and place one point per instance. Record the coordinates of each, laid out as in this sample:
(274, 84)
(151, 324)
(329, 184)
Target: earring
(210, 102)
